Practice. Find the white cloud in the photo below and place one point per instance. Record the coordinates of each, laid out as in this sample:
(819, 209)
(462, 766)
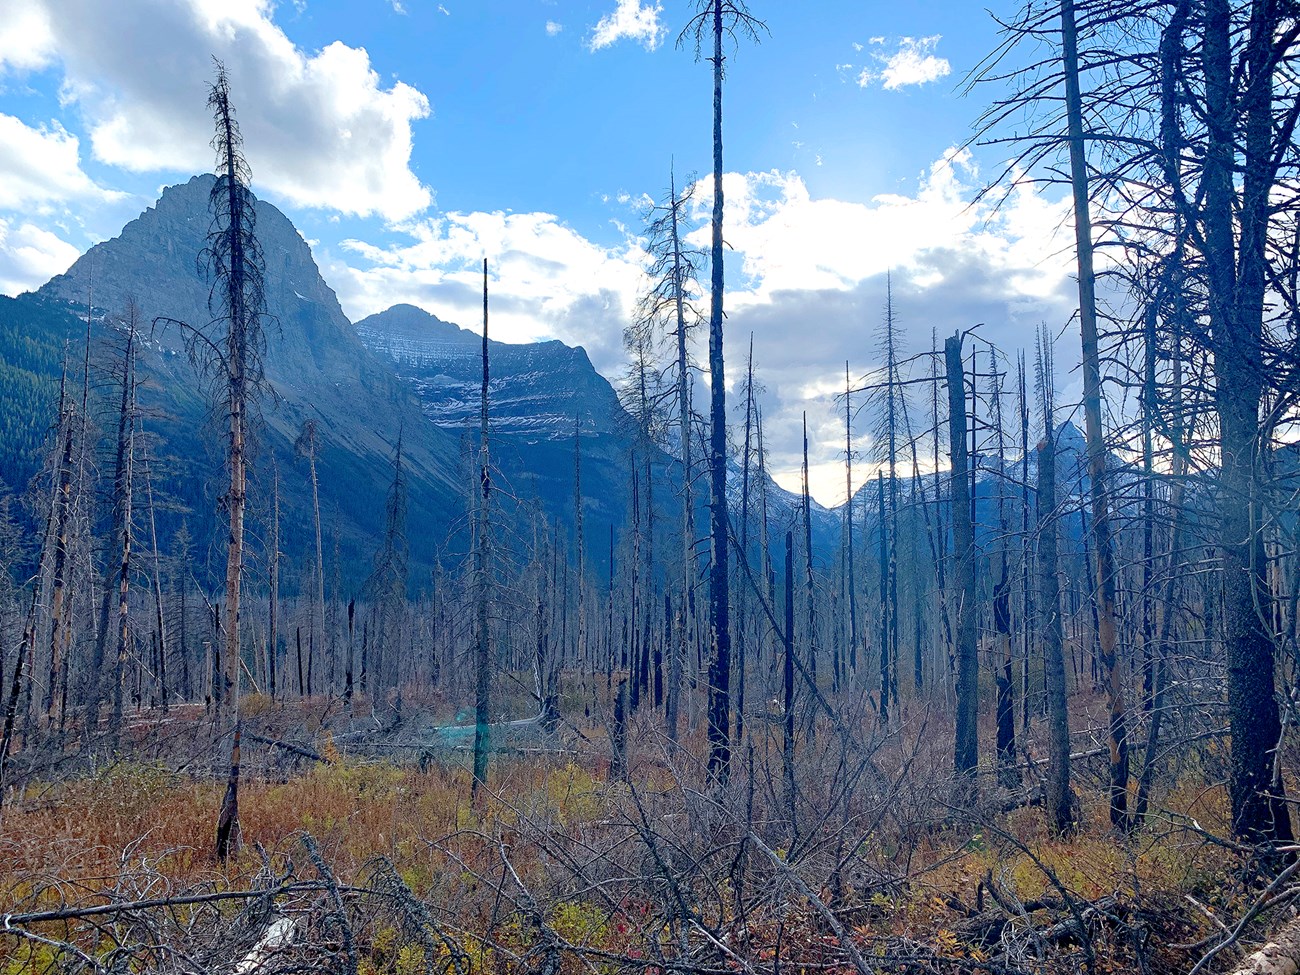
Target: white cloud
(40, 167)
(787, 240)
(914, 63)
(819, 266)
(632, 21)
(30, 256)
(26, 41)
(397, 7)
(798, 263)
(320, 129)
(547, 280)
(553, 28)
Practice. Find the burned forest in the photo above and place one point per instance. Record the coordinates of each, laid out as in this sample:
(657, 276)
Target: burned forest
(937, 611)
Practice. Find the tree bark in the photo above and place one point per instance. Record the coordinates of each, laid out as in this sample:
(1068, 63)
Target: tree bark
(1236, 277)
(719, 709)
(1104, 572)
(1060, 804)
(966, 757)
(482, 640)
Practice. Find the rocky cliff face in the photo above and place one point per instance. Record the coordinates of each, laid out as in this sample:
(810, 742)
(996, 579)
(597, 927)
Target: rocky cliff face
(536, 390)
(401, 371)
(315, 365)
(536, 393)
(541, 396)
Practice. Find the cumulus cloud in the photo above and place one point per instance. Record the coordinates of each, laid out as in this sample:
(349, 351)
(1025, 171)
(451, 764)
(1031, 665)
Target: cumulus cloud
(30, 256)
(321, 130)
(797, 264)
(632, 21)
(42, 166)
(819, 267)
(547, 280)
(26, 40)
(786, 240)
(553, 28)
(914, 63)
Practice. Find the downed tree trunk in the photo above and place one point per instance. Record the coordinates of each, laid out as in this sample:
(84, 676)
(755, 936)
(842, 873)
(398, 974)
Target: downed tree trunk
(289, 747)
(278, 937)
(1281, 956)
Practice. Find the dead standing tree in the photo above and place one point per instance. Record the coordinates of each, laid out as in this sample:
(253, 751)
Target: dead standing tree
(673, 272)
(1245, 134)
(1060, 803)
(717, 20)
(307, 445)
(482, 529)
(1099, 488)
(966, 754)
(235, 259)
(229, 354)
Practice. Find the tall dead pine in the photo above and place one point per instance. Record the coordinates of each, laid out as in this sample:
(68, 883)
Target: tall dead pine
(1103, 545)
(716, 20)
(1060, 804)
(966, 754)
(482, 638)
(232, 358)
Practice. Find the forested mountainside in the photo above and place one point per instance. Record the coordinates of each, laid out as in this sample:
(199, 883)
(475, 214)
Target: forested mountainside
(400, 371)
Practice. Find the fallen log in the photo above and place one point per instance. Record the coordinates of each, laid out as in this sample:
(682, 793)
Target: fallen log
(277, 937)
(1281, 956)
(289, 747)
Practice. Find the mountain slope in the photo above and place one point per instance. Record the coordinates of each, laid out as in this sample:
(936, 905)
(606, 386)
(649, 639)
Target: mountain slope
(537, 391)
(315, 366)
(540, 395)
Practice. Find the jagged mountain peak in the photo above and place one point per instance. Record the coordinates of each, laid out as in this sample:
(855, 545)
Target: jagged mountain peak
(157, 261)
(314, 363)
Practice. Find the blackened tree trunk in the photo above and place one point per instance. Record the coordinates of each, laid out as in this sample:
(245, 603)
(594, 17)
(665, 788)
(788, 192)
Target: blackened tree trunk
(60, 624)
(742, 647)
(237, 261)
(1103, 546)
(1236, 281)
(850, 583)
(886, 658)
(580, 551)
(715, 20)
(307, 445)
(1004, 682)
(273, 623)
(719, 722)
(228, 835)
(482, 638)
(123, 643)
(966, 755)
(810, 593)
(618, 734)
(1060, 807)
(95, 682)
(160, 617)
(787, 684)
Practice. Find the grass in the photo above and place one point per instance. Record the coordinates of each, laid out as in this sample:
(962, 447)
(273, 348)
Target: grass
(918, 873)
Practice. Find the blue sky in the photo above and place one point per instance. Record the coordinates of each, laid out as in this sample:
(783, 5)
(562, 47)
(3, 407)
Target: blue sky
(408, 138)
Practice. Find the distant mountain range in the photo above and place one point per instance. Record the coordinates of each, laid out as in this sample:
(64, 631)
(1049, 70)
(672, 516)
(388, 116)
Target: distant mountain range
(402, 371)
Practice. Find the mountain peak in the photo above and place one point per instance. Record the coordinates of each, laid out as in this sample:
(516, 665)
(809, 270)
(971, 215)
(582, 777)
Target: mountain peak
(313, 361)
(537, 388)
(155, 262)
